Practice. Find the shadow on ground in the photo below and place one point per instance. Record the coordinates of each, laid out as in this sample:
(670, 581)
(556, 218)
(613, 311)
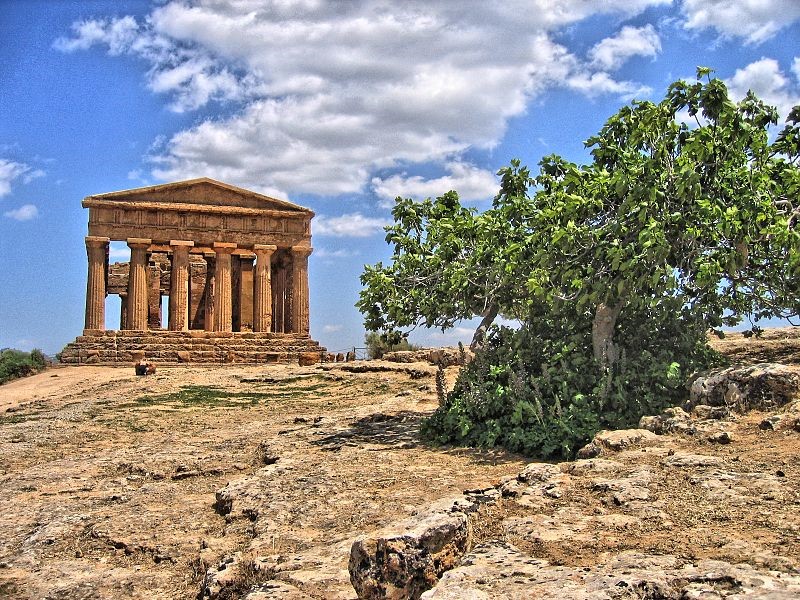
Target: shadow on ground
(401, 431)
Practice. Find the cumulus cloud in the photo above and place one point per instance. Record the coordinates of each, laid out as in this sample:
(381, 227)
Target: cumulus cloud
(612, 52)
(598, 83)
(11, 170)
(766, 79)
(753, 20)
(328, 93)
(471, 183)
(349, 225)
(26, 212)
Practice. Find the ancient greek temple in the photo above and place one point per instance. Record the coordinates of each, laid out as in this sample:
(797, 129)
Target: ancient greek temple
(233, 264)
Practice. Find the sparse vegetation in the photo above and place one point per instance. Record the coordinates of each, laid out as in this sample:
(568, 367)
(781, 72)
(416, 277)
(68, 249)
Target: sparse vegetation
(200, 395)
(16, 363)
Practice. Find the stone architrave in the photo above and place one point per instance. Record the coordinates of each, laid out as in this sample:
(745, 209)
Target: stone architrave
(96, 253)
(223, 297)
(179, 286)
(137, 284)
(299, 303)
(262, 287)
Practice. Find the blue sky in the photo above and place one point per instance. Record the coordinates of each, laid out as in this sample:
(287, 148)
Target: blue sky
(336, 106)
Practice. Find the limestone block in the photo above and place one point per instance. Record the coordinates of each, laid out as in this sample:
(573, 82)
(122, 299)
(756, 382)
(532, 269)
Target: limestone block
(408, 559)
(306, 359)
(484, 574)
(760, 387)
(614, 441)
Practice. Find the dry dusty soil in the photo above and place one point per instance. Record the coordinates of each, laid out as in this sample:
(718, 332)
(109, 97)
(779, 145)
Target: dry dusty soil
(108, 482)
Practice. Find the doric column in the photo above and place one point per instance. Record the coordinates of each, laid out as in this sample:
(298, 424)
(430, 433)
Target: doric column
(179, 286)
(262, 287)
(210, 292)
(299, 302)
(223, 299)
(245, 296)
(97, 253)
(123, 310)
(137, 284)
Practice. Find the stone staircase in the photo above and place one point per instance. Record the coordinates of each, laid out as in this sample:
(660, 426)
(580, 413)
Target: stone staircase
(112, 347)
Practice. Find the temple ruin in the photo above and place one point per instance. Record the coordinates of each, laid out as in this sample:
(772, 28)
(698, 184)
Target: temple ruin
(233, 263)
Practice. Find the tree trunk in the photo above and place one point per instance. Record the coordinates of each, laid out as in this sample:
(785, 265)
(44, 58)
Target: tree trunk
(605, 351)
(479, 339)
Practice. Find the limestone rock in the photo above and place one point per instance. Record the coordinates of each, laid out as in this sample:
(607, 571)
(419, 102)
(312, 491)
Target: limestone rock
(402, 356)
(614, 441)
(306, 359)
(706, 412)
(500, 570)
(762, 387)
(686, 460)
(408, 559)
(673, 419)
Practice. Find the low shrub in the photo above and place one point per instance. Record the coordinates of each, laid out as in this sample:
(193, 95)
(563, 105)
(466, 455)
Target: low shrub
(538, 390)
(16, 363)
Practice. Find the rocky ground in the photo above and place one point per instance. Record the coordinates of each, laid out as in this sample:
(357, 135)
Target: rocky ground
(255, 482)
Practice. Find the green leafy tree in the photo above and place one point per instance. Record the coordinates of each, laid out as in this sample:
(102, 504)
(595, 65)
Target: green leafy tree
(686, 219)
(447, 266)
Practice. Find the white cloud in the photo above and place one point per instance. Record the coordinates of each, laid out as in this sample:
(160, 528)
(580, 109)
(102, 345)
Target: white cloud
(26, 212)
(753, 20)
(598, 83)
(436, 338)
(340, 253)
(612, 52)
(332, 328)
(11, 170)
(330, 92)
(471, 183)
(765, 78)
(349, 225)
(119, 251)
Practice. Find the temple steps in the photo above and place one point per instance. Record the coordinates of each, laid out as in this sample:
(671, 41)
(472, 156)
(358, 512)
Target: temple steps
(197, 347)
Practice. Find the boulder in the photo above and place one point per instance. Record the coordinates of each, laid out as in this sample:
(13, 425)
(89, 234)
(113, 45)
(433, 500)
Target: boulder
(408, 559)
(759, 387)
(614, 441)
(306, 359)
(672, 420)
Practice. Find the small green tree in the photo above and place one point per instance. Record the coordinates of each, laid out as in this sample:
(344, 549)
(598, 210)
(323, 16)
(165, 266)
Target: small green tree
(378, 345)
(686, 219)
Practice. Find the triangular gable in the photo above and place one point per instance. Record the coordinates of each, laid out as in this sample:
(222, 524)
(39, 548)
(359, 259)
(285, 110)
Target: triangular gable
(203, 191)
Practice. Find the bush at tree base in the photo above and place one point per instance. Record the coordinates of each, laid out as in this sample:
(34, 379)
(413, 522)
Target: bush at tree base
(535, 390)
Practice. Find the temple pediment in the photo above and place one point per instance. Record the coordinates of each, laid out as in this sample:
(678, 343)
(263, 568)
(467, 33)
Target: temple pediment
(203, 194)
(202, 210)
